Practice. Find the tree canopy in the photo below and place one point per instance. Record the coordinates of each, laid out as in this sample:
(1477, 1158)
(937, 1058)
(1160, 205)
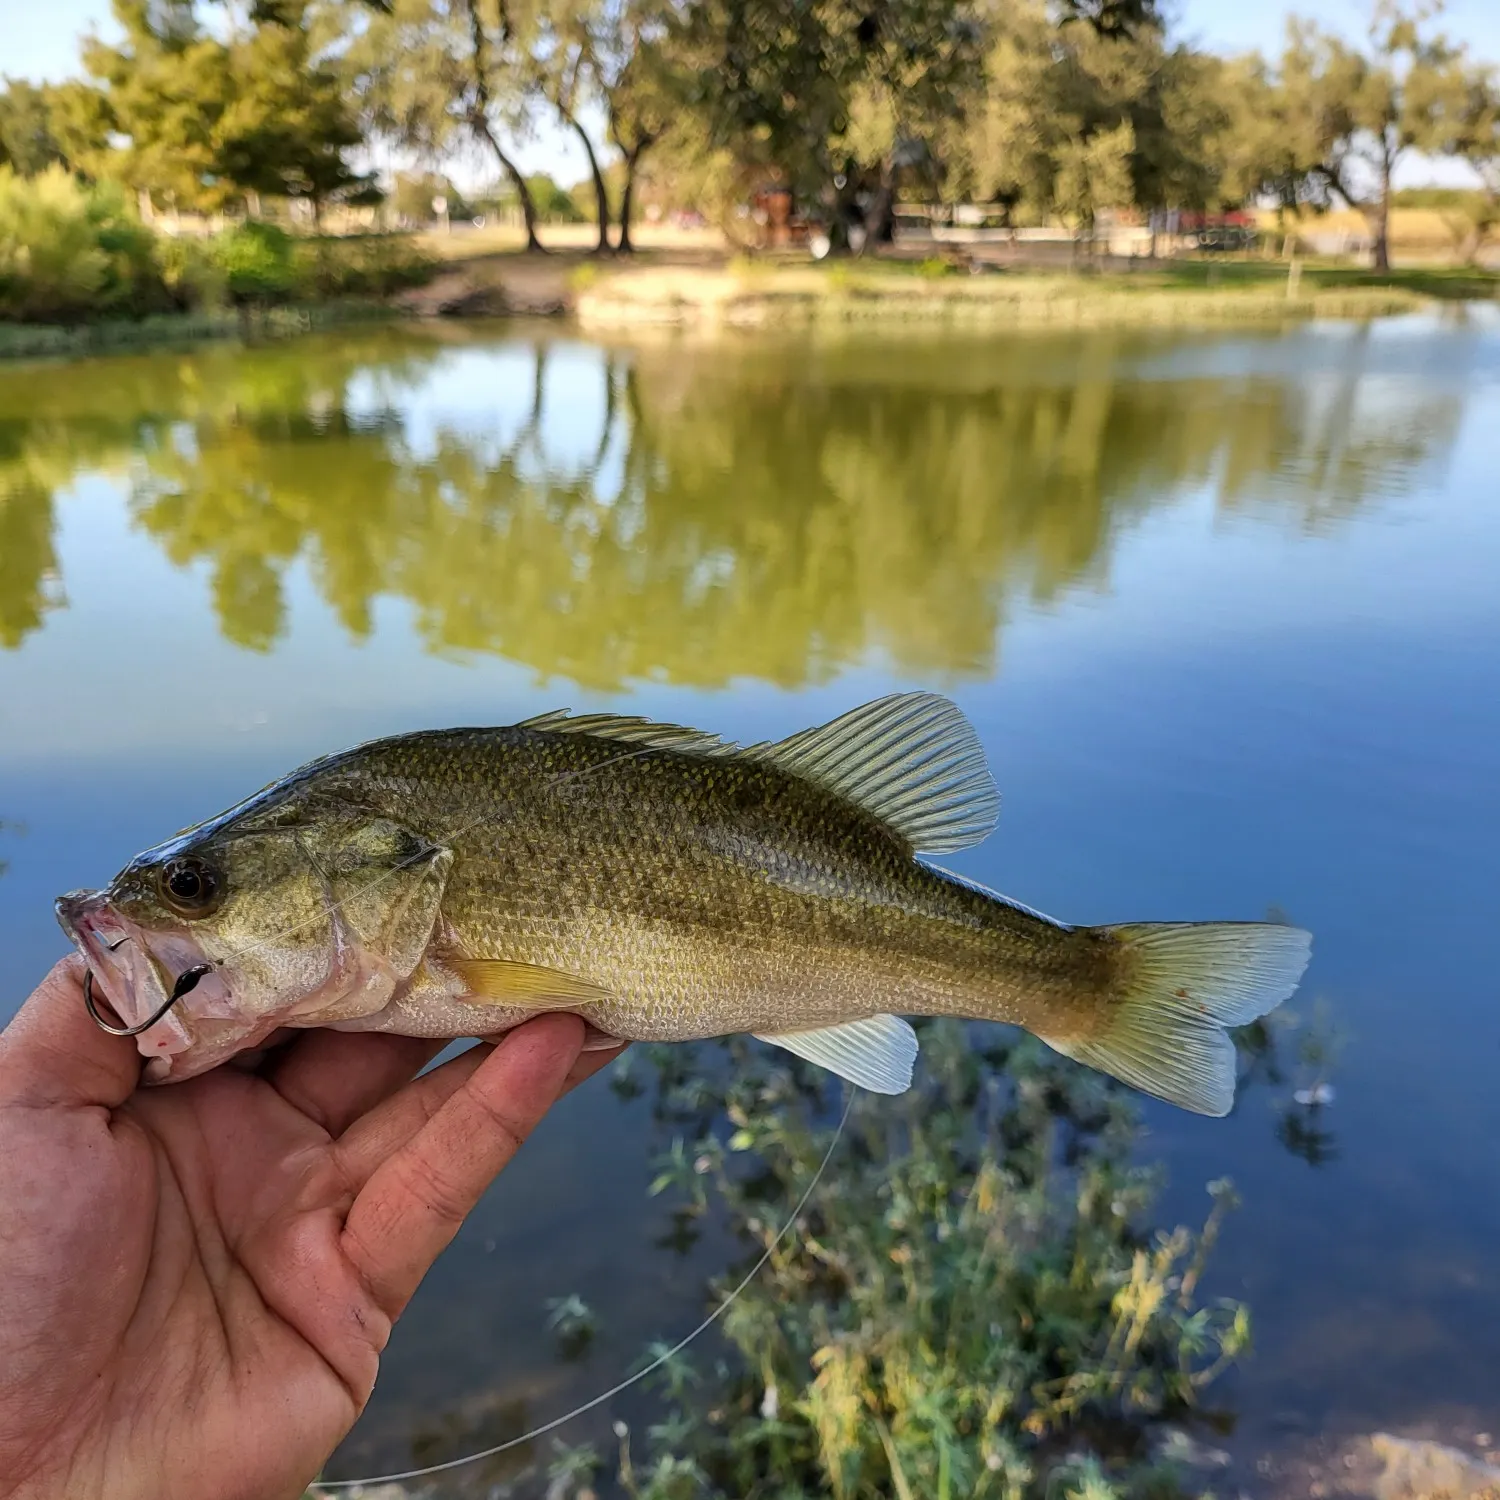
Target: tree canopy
(1061, 108)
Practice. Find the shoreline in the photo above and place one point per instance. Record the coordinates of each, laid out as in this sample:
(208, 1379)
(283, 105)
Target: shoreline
(846, 294)
(23, 341)
(597, 296)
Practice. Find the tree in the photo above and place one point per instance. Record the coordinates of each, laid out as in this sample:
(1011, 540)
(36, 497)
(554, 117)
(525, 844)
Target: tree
(564, 70)
(830, 99)
(432, 74)
(1074, 119)
(1362, 111)
(413, 194)
(80, 121)
(1479, 144)
(27, 143)
(166, 86)
(638, 72)
(207, 122)
(288, 123)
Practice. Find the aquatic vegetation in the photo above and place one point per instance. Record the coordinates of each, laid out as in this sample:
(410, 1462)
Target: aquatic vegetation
(574, 1323)
(973, 1303)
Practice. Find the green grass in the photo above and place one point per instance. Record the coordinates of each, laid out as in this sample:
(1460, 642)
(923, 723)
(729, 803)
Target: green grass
(1450, 283)
(772, 291)
(43, 340)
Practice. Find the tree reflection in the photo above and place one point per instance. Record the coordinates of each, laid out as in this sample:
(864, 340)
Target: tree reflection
(769, 510)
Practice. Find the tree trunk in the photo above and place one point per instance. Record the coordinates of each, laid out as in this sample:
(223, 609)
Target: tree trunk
(479, 119)
(511, 170)
(601, 193)
(627, 198)
(880, 216)
(1382, 221)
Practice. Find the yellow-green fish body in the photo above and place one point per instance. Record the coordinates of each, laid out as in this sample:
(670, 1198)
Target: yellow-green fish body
(664, 886)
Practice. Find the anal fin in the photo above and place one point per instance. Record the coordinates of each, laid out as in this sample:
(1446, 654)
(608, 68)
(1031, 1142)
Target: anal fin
(877, 1053)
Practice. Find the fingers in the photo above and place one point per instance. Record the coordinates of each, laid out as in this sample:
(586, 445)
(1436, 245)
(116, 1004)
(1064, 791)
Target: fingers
(52, 1053)
(590, 1063)
(414, 1202)
(385, 1130)
(368, 1141)
(334, 1077)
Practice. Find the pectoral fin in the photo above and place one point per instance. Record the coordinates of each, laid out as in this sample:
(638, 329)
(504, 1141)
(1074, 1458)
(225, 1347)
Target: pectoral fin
(498, 981)
(877, 1053)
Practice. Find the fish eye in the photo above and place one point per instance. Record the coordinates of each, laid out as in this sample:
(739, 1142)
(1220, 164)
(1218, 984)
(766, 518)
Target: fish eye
(190, 886)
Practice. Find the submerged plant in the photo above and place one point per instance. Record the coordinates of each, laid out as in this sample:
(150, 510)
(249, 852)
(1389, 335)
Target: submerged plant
(970, 1299)
(574, 1323)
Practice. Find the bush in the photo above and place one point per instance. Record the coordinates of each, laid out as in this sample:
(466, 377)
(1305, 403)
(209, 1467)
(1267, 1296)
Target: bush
(192, 273)
(973, 1297)
(70, 250)
(372, 265)
(257, 262)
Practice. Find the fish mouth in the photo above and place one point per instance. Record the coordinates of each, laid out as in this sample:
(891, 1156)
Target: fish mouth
(137, 972)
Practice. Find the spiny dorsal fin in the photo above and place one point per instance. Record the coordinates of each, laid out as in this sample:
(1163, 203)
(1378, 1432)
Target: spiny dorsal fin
(631, 730)
(911, 759)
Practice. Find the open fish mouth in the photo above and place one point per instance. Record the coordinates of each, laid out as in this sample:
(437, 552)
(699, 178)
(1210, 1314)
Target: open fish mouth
(144, 976)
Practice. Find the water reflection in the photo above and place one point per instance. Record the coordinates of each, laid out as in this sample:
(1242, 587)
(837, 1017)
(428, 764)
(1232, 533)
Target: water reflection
(779, 516)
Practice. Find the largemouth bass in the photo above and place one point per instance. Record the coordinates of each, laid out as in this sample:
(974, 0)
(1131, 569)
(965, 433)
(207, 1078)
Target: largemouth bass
(664, 886)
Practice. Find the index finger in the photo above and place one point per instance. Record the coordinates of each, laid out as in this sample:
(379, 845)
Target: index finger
(52, 1053)
(413, 1203)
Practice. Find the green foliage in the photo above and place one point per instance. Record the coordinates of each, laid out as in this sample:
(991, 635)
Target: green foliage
(72, 250)
(191, 272)
(1337, 119)
(27, 143)
(554, 204)
(257, 262)
(971, 1288)
(69, 250)
(413, 194)
(372, 265)
(200, 123)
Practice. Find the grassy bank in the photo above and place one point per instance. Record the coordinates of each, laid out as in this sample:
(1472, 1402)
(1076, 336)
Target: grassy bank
(115, 335)
(757, 293)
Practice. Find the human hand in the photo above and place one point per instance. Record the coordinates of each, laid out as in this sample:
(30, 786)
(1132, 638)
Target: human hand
(197, 1281)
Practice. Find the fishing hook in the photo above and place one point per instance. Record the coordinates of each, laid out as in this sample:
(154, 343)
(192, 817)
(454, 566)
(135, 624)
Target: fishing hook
(185, 982)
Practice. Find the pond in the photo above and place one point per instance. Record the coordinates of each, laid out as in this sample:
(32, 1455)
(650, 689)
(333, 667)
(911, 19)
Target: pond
(1222, 606)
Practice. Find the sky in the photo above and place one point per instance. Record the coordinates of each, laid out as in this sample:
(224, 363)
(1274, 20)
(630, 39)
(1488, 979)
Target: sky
(39, 40)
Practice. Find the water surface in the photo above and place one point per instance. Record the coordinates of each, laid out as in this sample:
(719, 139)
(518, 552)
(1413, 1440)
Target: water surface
(1222, 607)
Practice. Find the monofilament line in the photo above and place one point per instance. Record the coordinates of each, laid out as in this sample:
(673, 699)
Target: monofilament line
(640, 1375)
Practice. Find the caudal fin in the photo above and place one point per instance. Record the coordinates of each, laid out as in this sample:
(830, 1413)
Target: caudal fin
(1183, 984)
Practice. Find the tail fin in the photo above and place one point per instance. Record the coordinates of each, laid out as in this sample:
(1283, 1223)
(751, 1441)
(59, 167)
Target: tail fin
(1182, 985)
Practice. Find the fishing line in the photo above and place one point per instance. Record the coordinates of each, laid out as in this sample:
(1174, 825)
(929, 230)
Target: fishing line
(624, 1385)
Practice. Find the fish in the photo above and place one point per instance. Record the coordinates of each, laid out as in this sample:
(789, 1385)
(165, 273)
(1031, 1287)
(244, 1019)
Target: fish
(665, 885)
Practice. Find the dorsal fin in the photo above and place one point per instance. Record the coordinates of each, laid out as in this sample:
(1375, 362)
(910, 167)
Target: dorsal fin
(911, 759)
(632, 730)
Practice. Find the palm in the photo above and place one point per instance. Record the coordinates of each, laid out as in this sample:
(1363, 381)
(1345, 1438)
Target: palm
(202, 1277)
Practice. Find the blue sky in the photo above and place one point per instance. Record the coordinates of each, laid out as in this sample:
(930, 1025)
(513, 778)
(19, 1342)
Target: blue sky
(40, 41)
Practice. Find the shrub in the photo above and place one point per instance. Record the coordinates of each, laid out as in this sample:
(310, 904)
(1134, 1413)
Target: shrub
(973, 1290)
(69, 250)
(192, 273)
(372, 265)
(257, 262)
